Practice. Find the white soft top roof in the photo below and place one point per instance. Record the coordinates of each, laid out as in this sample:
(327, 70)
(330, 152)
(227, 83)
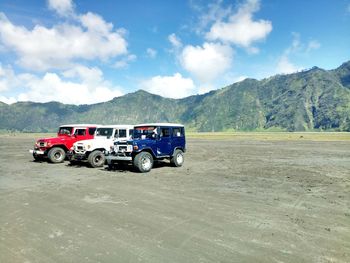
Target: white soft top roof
(160, 124)
(121, 126)
(80, 125)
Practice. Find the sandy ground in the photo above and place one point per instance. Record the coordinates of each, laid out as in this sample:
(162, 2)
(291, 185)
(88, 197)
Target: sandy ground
(232, 201)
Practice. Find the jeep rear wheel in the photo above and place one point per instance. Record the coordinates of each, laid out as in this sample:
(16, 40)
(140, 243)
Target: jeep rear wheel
(143, 162)
(178, 158)
(96, 159)
(56, 155)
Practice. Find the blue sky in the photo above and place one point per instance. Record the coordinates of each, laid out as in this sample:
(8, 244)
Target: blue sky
(87, 51)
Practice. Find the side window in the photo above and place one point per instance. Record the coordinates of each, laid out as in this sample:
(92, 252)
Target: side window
(80, 132)
(122, 133)
(92, 131)
(178, 132)
(164, 132)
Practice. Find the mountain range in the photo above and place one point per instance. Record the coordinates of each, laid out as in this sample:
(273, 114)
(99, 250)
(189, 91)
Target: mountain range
(314, 99)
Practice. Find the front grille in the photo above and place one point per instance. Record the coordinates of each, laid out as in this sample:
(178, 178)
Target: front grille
(42, 144)
(123, 148)
(80, 148)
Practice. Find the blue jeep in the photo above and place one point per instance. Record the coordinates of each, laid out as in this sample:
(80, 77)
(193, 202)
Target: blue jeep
(151, 142)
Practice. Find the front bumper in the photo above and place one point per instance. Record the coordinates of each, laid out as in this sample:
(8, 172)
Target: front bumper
(76, 156)
(111, 158)
(37, 152)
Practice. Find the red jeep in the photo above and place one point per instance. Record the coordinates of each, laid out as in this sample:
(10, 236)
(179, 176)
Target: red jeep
(55, 149)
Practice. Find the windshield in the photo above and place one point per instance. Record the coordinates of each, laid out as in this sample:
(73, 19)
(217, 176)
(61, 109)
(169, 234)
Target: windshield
(147, 132)
(104, 132)
(65, 130)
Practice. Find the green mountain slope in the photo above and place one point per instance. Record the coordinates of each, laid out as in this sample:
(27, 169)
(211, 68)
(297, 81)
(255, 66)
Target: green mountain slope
(316, 99)
(343, 74)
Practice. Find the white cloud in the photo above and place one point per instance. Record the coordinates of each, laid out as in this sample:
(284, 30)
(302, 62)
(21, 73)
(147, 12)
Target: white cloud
(206, 88)
(95, 23)
(152, 53)
(239, 79)
(206, 62)
(125, 61)
(312, 45)
(175, 41)
(62, 7)
(59, 51)
(80, 85)
(90, 76)
(7, 100)
(52, 87)
(296, 48)
(214, 12)
(284, 66)
(42, 48)
(241, 29)
(8, 79)
(174, 86)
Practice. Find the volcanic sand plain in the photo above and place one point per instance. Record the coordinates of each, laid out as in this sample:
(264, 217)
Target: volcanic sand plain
(249, 198)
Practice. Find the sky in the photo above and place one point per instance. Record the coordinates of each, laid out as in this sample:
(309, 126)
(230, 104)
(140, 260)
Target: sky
(88, 51)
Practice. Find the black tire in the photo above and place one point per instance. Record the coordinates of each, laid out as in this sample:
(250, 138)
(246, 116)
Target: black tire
(143, 162)
(56, 155)
(96, 159)
(177, 159)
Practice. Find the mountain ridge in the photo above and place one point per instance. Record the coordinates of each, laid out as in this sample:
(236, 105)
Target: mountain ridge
(314, 99)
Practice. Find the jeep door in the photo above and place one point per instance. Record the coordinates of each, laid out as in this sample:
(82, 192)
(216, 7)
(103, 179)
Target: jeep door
(178, 138)
(79, 134)
(164, 142)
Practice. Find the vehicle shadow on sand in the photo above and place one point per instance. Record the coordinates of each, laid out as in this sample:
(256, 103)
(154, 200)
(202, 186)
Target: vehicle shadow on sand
(78, 165)
(128, 167)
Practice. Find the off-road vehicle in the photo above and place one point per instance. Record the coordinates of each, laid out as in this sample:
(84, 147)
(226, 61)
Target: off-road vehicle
(151, 142)
(55, 149)
(93, 150)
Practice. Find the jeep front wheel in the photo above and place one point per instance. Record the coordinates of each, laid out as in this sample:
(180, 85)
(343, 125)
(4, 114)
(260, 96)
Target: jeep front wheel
(177, 159)
(96, 159)
(143, 162)
(56, 155)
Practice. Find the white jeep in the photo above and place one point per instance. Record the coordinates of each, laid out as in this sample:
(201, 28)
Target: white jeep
(93, 150)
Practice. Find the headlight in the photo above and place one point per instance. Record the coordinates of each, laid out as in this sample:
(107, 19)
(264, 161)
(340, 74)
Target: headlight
(129, 148)
(41, 144)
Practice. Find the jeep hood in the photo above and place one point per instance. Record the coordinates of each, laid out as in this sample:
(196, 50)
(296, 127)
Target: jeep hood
(96, 140)
(54, 140)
